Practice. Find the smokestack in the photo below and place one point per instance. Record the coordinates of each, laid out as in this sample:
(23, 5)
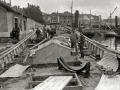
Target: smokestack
(76, 18)
(99, 22)
(28, 5)
(10, 2)
(116, 22)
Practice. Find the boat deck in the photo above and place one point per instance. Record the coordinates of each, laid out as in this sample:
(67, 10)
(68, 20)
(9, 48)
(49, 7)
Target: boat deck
(49, 54)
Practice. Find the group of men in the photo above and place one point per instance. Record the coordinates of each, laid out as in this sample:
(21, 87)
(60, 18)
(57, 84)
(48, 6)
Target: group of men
(49, 32)
(46, 32)
(15, 33)
(77, 40)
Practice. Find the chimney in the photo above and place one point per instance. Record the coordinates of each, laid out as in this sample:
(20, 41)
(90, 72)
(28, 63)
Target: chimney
(99, 22)
(76, 19)
(116, 22)
(4, 1)
(28, 5)
(18, 7)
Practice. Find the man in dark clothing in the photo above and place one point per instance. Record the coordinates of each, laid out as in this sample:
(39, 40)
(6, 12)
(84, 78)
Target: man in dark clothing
(17, 33)
(38, 33)
(44, 31)
(81, 41)
(13, 34)
(51, 33)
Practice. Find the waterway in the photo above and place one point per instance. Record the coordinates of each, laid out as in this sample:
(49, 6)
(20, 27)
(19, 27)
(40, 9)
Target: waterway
(111, 42)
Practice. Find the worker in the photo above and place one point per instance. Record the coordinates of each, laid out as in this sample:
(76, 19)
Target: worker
(17, 33)
(13, 33)
(73, 39)
(38, 33)
(81, 41)
(45, 31)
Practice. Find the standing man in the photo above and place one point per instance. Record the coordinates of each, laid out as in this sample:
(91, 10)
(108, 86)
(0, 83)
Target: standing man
(45, 31)
(17, 33)
(81, 42)
(38, 33)
(73, 39)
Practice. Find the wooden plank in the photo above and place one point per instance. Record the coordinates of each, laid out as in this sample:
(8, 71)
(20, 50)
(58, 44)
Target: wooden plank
(107, 83)
(14, 71)
(53, 83)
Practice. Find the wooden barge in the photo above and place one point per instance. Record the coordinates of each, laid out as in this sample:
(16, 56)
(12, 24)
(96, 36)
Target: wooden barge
(43, 72)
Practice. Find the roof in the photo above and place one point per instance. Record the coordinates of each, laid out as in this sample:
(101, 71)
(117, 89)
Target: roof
(96, 18)
(63, 14)
(9, 8)
(6, 6)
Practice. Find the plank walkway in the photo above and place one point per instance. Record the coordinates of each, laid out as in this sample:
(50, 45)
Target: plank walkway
(53, 83)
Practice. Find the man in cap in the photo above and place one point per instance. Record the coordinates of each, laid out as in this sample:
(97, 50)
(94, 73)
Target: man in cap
(81, 42)
(73, 39)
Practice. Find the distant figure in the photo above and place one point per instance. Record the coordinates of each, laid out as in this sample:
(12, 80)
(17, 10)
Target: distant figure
(17, 33)
(13, 34)
(81, 41)
(73, 39)
(38, 33)
(51, 33)
(44, 31)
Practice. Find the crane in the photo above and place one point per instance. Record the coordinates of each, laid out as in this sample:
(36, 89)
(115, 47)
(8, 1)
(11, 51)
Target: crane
(110, 16)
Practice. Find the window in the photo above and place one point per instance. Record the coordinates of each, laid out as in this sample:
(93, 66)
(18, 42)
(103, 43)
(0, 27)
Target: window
(64, 18)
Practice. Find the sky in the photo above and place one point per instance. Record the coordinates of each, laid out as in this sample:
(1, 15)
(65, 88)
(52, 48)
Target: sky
(97, 7)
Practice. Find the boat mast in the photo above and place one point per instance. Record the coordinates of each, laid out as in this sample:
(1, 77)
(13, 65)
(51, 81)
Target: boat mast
(90, 19)
(71, 14)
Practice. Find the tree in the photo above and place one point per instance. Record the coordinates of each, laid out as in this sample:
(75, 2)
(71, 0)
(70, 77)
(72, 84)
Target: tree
(34, 12)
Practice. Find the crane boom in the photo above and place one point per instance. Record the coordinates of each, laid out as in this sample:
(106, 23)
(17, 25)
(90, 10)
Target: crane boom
(110, 15)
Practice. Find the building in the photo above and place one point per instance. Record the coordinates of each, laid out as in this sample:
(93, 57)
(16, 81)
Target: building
(13, 17)
(61, 18)
(88, 20)
(47, 18)
(67, 19)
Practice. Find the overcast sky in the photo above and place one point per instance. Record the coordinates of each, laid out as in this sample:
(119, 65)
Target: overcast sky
(98, 7)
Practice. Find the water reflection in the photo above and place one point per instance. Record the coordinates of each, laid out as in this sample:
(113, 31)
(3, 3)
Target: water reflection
(112, 42)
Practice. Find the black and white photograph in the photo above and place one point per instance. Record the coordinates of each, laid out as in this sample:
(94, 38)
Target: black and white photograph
(59, 44)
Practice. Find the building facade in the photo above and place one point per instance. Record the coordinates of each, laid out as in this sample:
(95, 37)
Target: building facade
(61, 18)
(68, 19)
(13, 17)
(88, 20)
